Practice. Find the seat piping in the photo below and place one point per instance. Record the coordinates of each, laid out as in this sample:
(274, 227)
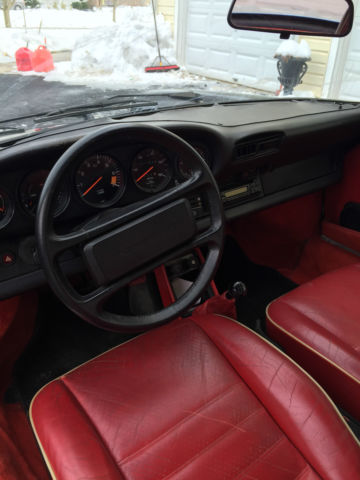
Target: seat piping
(276, 325)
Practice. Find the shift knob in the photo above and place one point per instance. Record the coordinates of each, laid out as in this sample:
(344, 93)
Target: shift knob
(237, 290)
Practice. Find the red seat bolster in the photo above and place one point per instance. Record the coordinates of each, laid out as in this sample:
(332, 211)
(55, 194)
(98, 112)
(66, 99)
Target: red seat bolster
(297, 405)
(318, 324)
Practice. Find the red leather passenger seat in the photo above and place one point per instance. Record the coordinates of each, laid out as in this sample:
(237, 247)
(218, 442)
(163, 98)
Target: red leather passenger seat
(318, 325)
(201, 398)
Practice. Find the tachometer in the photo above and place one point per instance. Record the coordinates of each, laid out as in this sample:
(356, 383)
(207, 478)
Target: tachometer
(30, 191)
(6, 209)
(100, 181)
(151, 170)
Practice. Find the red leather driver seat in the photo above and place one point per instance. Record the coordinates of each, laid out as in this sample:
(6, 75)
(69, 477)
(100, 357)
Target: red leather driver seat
(318, 325)
(200, 398)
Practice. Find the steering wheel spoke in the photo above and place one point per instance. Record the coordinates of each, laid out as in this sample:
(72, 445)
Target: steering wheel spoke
(212, 236)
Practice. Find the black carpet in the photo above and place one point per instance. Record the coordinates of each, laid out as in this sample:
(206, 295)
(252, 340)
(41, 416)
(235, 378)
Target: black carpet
(263, 284)
(62, 341)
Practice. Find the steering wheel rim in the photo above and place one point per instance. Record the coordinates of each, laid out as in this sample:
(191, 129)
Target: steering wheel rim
(109, 223)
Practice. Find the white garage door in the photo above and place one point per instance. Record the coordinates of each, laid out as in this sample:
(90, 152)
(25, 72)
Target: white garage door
(215, 50)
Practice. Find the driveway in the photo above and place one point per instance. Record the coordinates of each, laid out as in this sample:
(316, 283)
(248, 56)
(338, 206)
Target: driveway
(25, 95)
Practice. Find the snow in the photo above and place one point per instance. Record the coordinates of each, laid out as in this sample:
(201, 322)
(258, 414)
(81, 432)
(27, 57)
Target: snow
(61, 29)
(127, 47)
(109, 55)
(55, 40)
(130, 78)
(291, 48)
(138, 80)
(298, 94)
(115, 56)
(63, 18)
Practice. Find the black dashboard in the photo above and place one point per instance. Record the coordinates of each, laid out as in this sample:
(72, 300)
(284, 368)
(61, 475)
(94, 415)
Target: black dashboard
(257, 163)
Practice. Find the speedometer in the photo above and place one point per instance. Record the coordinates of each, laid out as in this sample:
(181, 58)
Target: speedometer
(100, 181)
(151, 170)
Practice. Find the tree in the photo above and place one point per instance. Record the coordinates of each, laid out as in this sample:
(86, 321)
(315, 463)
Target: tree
(115, 4)
(7, 4)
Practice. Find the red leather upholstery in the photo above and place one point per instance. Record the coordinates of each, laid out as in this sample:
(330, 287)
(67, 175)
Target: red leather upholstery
(318, 324)
(201, 398)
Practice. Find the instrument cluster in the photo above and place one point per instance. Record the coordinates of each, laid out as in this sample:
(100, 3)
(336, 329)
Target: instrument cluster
(100, 181)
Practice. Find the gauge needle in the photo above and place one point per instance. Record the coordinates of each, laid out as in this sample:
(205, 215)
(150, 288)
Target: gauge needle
(145, 173)
(92, 186)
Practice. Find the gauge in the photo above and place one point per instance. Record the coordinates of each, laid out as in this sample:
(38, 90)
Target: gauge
(6, 209)
(185, 167)
(30, 191)
(100, 181)
(151, 170)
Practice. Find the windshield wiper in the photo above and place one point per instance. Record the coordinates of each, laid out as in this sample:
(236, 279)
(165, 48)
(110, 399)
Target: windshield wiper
(78, 110)
(179, 95)
(8, 129)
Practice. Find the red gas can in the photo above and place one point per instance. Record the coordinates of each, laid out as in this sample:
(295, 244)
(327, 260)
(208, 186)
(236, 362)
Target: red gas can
(42, 60)
(23, 57)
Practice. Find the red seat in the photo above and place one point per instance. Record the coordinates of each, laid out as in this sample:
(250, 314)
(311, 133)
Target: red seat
(318, 324)
(200, 398)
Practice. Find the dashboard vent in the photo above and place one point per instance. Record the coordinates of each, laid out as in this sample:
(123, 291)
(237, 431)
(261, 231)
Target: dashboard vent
(258, 146)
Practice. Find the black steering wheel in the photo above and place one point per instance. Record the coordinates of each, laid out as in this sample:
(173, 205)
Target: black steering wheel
(121, 244)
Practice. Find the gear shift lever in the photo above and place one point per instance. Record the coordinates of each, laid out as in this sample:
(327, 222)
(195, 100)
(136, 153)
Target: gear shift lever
(237, 290)
(244, 311)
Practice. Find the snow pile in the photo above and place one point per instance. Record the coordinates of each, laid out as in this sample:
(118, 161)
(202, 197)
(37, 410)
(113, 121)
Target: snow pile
(64, 72)
(116, 56)
(291, 48)
(298, 94)
(126, 47)
(56, 40)
(62, 29)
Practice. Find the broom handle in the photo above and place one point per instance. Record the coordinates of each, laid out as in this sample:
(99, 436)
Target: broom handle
(156, 30)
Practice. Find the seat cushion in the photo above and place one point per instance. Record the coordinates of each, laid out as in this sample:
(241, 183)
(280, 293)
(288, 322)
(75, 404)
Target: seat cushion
(318, 324)
(199, 398)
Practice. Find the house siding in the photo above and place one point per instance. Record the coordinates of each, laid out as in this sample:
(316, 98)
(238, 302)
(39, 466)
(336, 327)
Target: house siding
(167, 8)
(315, 76)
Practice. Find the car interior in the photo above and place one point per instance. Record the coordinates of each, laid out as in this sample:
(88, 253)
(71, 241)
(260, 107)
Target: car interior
(179, 295)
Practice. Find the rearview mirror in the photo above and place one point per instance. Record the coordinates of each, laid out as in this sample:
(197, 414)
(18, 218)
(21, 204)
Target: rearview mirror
(328, 18)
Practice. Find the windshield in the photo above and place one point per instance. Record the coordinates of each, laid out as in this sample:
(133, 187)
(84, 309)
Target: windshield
(59, 54)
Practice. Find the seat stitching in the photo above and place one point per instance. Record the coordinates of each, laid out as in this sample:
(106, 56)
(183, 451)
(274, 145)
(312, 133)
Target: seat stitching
(210, 402)
(301, 474)
(255, 412)
(264, 453)
(102, 440)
